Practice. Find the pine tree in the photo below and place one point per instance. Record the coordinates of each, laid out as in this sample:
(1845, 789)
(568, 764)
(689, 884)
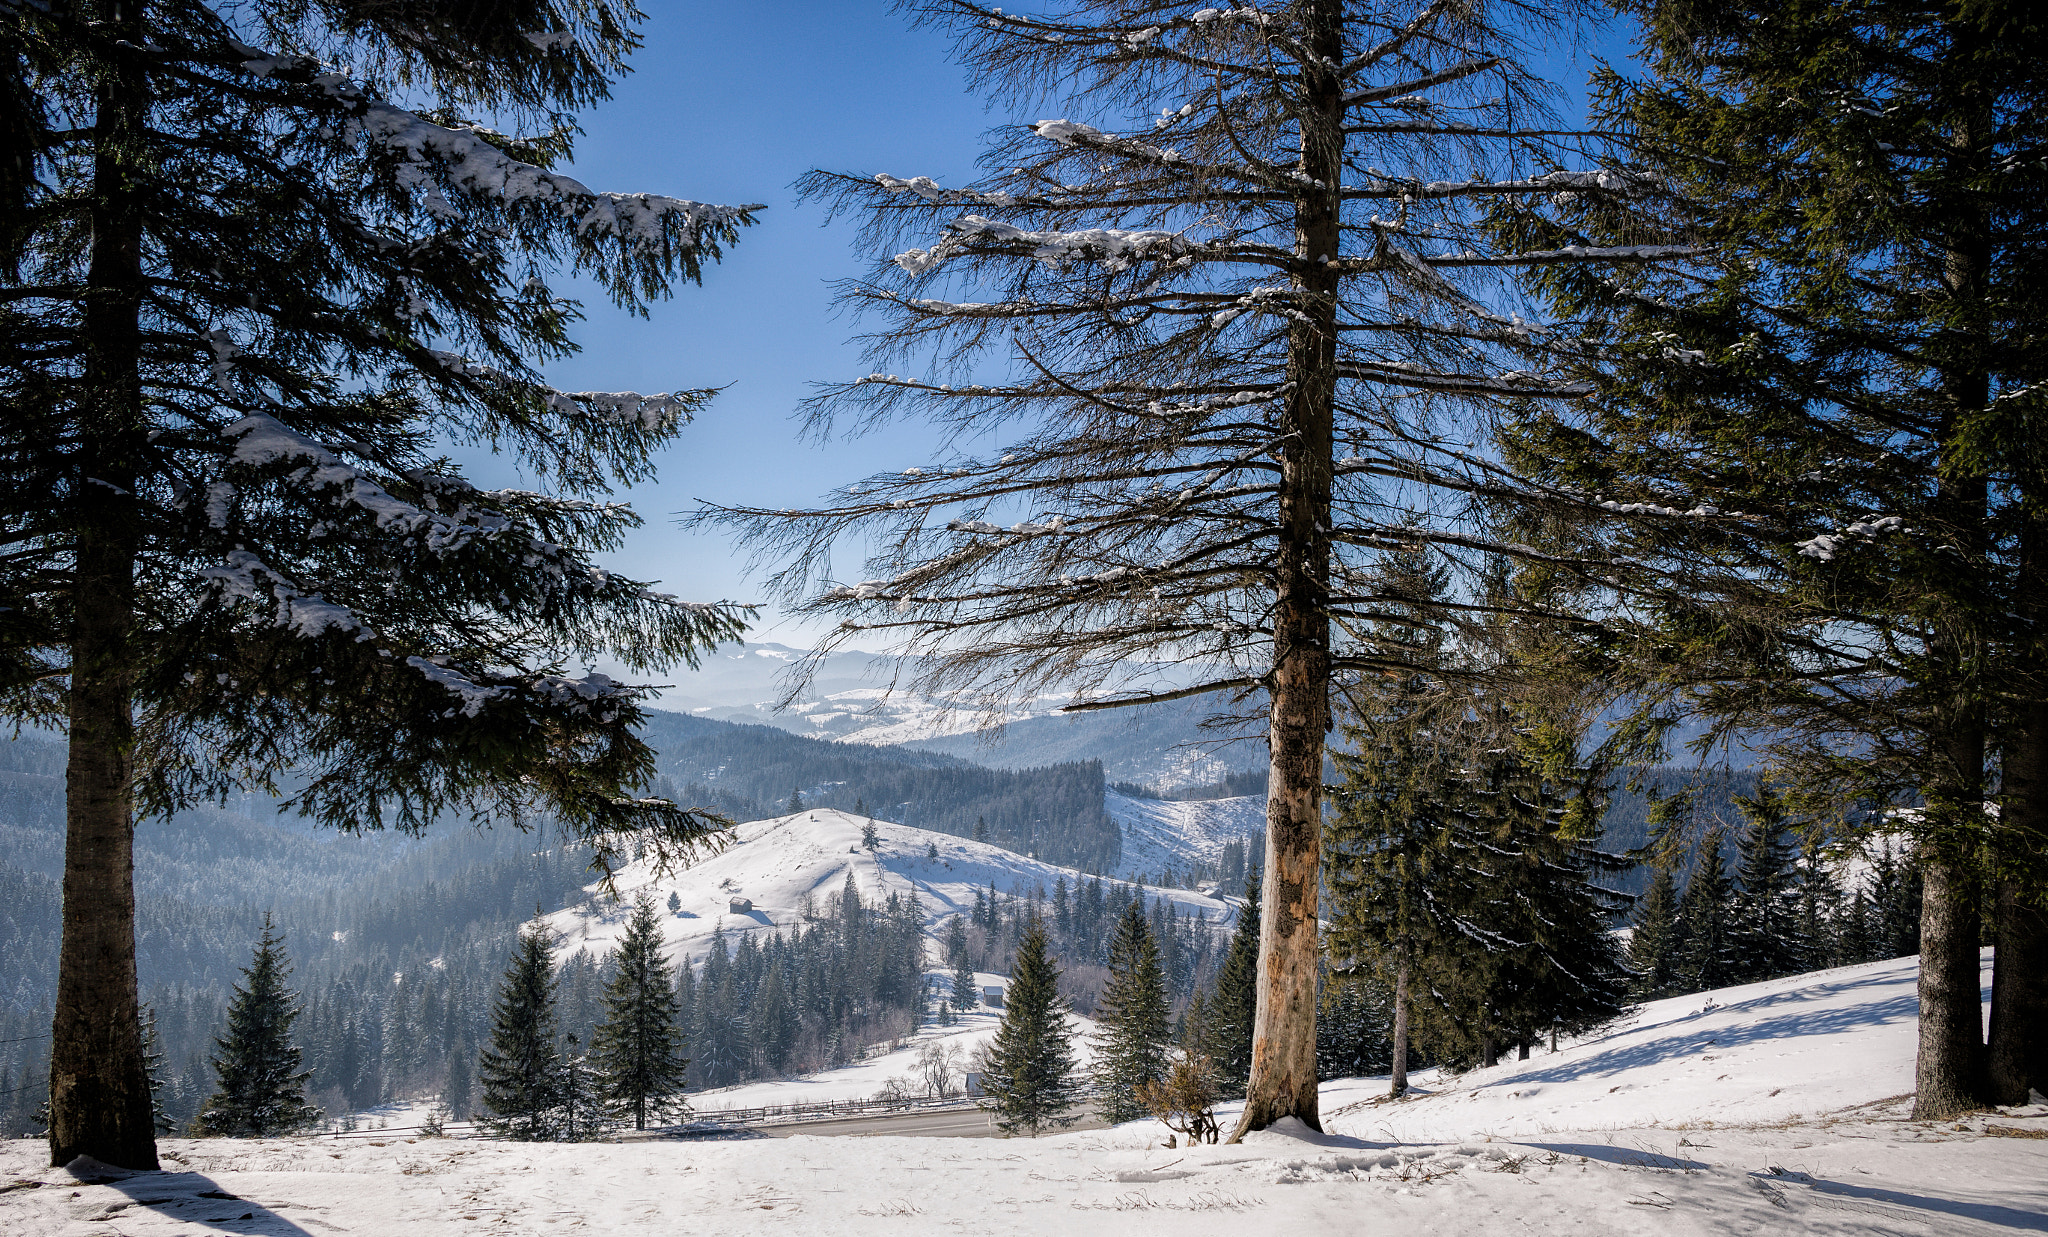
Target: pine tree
(160, 1086)
(260, 1091)
(675, 903)
(1766, 932)
(254, 300)
(1707, 911)
(1657, 941)
(870, 840)
(1231, 1014)
(796, 803)
(1028, 1068)
(964, 995)
(1222, 334)
(1400, 816)
(638, 1050)
(1852, 365)
(521, 1069)
(1132, 1014)
(1354, 1029)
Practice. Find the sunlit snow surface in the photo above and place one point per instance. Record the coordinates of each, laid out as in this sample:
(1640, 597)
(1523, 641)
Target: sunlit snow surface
(777, 863)
(1163, 833)
(1646, 1129)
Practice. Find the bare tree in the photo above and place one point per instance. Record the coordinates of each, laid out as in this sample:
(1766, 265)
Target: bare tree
(1234, 355)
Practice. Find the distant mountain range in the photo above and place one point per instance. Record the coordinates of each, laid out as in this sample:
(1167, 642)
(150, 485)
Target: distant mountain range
(864, 698)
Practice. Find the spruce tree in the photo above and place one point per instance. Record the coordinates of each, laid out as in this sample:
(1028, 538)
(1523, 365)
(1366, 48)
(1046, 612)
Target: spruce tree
(254, 300)
(638, 1049)
(1707, 911)
(964, 995)
(1656, 942)
(1766, 937)
(1809, 464)
(521, 1070)
(1130, 1047)
(1230, 1015)
(153, 1061)
(1400, 817)
(1028, 1068)
(260, 1091)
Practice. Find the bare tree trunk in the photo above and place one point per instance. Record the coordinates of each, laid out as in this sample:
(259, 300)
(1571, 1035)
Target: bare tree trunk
(1522, 1048)
(99, 1084)
(1283, 1074)
(1398, 1082)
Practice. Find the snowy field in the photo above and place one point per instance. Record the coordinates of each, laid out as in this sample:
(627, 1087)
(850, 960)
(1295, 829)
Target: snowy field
(1163, 833)
(1774, 1108)
(777, 863)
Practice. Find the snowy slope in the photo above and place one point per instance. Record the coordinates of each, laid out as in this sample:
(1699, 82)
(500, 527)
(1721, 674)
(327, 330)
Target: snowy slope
(777, 863)
(1161, 833)
(1723, 1156)
(1804, 1044)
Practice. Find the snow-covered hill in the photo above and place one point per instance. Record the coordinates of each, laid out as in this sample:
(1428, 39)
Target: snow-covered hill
(778, 863)
(1163, 833)
(1801, 1045)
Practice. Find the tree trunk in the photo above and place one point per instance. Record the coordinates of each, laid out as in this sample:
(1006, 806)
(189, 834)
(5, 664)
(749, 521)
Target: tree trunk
(1522, 1048)
(1949, 1069)
(2019, 985)
(2019, 999)
(99, 1084)
(1397, 1084)
(1283, 1073)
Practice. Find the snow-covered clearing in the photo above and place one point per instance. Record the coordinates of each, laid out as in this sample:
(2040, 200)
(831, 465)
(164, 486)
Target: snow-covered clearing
(776, 864)
(866, 1079)
(1163, 833)
(1649, 1128)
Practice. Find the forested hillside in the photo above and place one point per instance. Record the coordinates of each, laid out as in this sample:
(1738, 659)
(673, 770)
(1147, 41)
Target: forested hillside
(750, 772)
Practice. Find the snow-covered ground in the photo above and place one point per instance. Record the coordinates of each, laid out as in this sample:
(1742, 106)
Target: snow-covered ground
(777, 863)
(867, 1078)
(1162, 833)
(1779, 1109)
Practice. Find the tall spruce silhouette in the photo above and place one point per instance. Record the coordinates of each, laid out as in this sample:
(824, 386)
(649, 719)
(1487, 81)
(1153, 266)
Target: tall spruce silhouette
(521, 1070)
(261, 1090)
(1028, 1070)
(638, 1050)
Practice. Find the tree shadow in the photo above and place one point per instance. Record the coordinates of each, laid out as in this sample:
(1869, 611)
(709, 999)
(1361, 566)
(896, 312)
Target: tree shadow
(1984, 1213)
(1627, 1157)
(194, 1198)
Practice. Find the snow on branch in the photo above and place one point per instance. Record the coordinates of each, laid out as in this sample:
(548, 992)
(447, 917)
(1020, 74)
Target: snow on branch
(247, 577)
(648, 224)
(653, 414)
(261, 439)
(1115, 248)
(1570, 253)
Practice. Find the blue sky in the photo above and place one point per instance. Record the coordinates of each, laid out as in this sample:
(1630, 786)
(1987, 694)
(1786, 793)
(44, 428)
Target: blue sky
(731, 103)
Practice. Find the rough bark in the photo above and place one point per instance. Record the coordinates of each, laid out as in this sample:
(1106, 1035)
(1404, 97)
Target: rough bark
(99, 1084)
(1949, 1066)
(1283, 1077)
(2019, 986)
(2018, 1055)
(1397, 1084)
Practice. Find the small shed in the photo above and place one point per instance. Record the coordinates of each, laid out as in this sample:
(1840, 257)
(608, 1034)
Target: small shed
(974, 1083)
(740, 906)
(992, 995)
